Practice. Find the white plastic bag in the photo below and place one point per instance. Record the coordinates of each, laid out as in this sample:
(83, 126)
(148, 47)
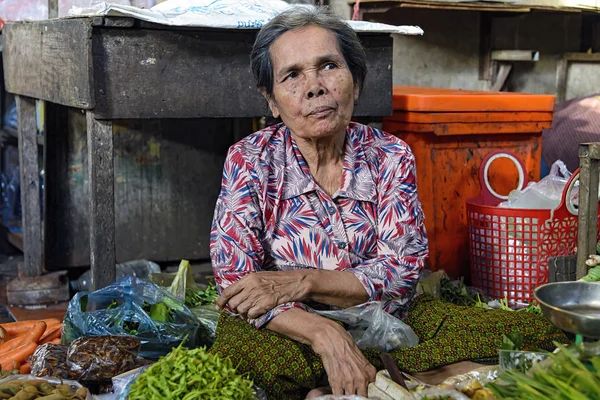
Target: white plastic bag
(373, 328)
(543, 195)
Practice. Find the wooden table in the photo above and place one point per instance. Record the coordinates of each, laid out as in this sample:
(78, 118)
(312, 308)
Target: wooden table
(123, 69)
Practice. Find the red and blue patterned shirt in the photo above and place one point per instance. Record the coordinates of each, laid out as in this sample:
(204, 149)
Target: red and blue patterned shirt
(272, 216)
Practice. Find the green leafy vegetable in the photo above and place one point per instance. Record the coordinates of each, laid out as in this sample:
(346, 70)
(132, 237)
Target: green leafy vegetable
(159, 312)
(568, 375)
(198, 297)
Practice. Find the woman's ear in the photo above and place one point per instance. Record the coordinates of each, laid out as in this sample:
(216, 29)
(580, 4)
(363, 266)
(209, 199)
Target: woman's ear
(271, 102)
(356, 92)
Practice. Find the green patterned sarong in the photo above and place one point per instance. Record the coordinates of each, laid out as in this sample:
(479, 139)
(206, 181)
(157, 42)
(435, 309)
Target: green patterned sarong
(448, 333)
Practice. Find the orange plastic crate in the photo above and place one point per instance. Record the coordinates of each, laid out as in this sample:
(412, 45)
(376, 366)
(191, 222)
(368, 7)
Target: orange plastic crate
(450, 133)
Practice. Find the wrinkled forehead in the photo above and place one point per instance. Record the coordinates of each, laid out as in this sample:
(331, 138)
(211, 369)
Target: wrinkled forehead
(303, 46)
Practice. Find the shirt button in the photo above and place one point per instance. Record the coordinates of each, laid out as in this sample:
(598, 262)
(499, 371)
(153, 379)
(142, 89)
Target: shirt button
(331, 210)
(341, 245)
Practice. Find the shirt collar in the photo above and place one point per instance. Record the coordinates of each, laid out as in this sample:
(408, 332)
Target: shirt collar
(357, 180)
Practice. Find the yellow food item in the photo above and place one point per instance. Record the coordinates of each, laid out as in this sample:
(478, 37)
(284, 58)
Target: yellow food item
(483, 394)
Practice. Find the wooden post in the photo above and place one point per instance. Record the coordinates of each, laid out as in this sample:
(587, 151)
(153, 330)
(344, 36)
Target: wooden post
(101, 198)
(52, 9)
(30, 187)
(589, 164)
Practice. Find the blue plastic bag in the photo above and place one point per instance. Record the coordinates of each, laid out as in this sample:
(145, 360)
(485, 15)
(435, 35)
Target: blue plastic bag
(123, 309)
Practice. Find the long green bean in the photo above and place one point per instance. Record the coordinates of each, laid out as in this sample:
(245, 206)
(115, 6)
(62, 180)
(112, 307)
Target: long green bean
(191, 374)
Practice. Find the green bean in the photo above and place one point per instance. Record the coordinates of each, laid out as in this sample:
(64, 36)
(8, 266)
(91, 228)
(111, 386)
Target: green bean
(190, 374)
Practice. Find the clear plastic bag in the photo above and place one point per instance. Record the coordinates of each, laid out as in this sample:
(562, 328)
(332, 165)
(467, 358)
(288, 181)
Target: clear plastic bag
(178, 285)
(50, 360)
(209, 318)
(99, 358)
(545, 194)
(122, 309)
(373, 328)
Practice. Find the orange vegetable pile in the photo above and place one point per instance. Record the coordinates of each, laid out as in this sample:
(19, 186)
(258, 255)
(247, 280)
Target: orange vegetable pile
(18, 341)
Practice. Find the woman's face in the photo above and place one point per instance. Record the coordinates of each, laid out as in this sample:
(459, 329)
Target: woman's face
(313, 91)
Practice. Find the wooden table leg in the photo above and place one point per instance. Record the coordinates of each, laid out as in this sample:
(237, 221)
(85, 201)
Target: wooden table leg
(589, 164)
(30, 187)
(102, 201)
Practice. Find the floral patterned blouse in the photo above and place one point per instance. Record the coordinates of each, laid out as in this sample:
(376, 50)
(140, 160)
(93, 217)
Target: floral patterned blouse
(272, 216)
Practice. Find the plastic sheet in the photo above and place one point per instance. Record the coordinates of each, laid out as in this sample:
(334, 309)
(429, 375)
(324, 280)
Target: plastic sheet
(373, 328)
(225, 14)
(121, 309)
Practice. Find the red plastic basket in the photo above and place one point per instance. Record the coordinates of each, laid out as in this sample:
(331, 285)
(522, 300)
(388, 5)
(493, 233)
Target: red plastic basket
(510, 247)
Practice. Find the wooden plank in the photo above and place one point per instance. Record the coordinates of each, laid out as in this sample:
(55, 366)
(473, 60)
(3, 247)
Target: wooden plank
(589, 179)
(30, 187)
(67, 219)
(114, 22)
(593, 151)
(166, 174)
(50, 60)
(51, 311)
(144, 73)
(562, 68)
(582, 57)
(101, 202)
(367, 5)
(485, 46)
(500, 6)
(56, 183)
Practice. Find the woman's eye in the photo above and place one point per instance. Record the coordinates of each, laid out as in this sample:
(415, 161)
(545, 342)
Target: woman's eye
(291, 75)
(329, 66)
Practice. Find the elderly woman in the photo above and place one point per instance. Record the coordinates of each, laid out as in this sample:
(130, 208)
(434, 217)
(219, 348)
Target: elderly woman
(316, 211)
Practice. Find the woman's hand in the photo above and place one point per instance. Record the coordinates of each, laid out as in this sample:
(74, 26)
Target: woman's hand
(348, 371)
(257, 293)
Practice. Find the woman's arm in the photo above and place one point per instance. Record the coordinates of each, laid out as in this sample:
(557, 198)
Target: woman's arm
(348, 371)
(235, 247)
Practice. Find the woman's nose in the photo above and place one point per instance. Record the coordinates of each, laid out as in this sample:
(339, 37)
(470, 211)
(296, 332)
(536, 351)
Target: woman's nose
(314, 86)
(315, 92)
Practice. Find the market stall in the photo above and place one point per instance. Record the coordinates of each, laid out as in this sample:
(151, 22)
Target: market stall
(139, 340)
(122, 69)
(166, 337)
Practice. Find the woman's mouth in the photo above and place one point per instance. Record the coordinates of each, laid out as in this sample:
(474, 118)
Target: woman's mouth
(321, 111)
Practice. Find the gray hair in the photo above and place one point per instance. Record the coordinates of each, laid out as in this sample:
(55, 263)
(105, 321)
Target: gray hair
(348, 42)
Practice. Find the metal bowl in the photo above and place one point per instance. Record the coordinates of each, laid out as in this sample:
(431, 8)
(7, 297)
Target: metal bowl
(572, 306)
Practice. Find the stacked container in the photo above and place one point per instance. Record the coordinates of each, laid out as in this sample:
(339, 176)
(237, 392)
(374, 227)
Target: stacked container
(450, 133)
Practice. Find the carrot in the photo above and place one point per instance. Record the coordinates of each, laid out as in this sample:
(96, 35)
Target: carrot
(25, 369)
(19, 354)
(34, 335)
(12, 344)
(21, 327)
(55, 341)
(36, 332)
(52, 335)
